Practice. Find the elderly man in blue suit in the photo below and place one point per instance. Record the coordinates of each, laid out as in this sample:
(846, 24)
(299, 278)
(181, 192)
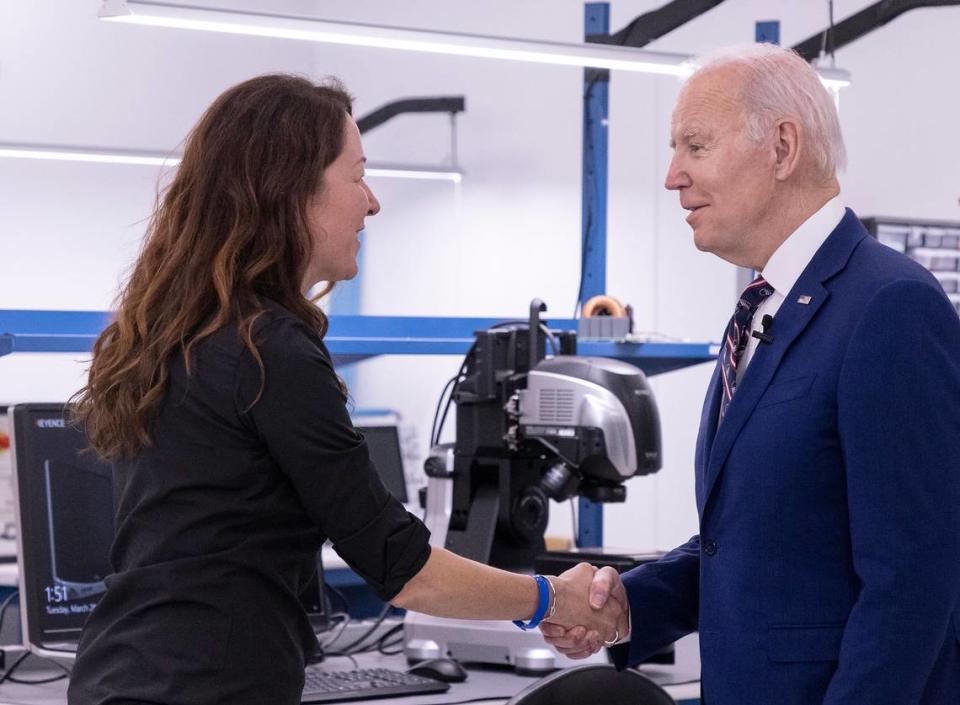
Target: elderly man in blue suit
(827, 566)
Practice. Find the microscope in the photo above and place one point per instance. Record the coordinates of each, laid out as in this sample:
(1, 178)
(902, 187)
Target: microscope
(529, 428)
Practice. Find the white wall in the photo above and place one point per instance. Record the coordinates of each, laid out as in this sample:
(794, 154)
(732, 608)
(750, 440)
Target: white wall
(68, 230)
(512, 232)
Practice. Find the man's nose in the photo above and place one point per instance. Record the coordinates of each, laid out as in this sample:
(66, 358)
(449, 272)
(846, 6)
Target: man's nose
(677, 177)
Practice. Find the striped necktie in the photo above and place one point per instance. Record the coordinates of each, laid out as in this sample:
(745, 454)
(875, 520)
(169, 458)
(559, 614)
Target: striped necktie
(737, 335)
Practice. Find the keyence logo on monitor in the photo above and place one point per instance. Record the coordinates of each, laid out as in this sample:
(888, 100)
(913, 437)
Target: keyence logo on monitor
(51, 423)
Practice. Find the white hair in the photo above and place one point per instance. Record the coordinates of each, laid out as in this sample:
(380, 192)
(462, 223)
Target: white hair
(778, 84)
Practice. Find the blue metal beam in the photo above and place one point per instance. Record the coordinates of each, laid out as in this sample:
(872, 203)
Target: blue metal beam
(593, 265)
(50, 331)
(350, 338)
(596, 91)
(767, 32)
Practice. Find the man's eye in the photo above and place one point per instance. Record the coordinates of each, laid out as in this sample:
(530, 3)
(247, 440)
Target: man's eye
(696, 148)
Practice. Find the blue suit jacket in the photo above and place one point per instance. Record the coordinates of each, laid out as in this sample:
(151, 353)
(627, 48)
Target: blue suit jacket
(827, 568)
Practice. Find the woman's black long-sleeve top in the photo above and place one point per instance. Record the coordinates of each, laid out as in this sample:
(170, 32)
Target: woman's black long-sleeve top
(219, 521)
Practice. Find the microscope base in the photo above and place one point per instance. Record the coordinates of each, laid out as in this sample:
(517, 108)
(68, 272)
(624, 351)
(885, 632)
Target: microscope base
(488, 642)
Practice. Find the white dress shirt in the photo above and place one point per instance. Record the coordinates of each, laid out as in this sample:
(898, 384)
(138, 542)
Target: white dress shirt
(786, 265)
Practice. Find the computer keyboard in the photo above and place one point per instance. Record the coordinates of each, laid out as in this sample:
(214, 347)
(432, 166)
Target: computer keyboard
(363, 684)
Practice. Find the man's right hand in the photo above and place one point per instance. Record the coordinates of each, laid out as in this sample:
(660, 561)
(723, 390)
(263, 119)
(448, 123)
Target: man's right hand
(578, 642)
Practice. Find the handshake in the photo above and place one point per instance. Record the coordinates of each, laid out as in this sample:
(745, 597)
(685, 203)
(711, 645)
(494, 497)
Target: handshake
(591, 611)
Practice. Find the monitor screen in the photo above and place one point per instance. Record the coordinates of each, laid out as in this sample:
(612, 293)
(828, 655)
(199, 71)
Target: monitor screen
(384, 445)
(65, 507)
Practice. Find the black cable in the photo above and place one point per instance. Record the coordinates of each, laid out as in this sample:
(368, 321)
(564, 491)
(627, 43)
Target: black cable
(391, 631)
(340, 616)
(5, 676)
(39, 681)
(8, 674)
(446, 409)
(589, 205)
(5, 604)
(344, 621)
(384, 646)
(436, 412)
(460, 376)
(353, 647)
(362, 648)
(388, 650)
(554, 345)
(588, 220)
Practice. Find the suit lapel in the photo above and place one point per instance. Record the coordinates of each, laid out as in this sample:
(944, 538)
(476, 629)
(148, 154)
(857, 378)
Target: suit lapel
(789, 325)
(708, 429)
(791, 320)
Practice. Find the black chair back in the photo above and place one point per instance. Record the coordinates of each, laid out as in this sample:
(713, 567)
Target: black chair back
(593, 684)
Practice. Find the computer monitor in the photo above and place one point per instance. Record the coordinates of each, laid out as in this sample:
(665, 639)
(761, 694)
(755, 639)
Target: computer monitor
(64, 503)
(384, 445)
(65, 511)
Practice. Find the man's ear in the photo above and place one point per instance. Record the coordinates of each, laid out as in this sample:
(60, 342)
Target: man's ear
(787, 143)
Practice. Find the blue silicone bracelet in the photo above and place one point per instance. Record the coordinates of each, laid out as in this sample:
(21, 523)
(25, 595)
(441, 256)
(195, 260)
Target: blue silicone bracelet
(543, 591)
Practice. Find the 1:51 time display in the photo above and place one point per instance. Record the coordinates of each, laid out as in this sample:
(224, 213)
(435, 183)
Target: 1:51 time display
(56, 594)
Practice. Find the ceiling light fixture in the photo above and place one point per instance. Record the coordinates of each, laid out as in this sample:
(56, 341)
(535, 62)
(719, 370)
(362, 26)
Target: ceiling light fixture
(160, 14)
(82, 154)
(399, 171)
(601, 56)
(124, 156)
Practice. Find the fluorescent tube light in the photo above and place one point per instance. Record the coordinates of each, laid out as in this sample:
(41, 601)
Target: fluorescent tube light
(413, 172)
(122, 156)
(80, 154)
(602, 56)
(159, 14)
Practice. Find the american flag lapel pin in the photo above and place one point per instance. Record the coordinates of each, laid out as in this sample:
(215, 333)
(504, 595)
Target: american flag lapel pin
(804, 299)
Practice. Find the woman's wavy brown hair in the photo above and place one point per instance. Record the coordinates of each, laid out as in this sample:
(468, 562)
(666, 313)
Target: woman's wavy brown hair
(229, 231)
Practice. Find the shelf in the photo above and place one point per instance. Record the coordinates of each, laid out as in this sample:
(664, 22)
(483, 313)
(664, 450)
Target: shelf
(351, 338)
(50, 331)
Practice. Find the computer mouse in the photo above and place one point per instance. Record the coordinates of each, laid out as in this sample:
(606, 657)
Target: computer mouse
(441, 669)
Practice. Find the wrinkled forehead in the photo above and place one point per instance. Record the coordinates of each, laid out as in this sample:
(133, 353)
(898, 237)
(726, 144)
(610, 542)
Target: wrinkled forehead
(709, 101)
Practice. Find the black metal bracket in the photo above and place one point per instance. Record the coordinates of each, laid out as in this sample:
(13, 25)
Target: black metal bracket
(440, 104)
(861, 23)
(656, 23)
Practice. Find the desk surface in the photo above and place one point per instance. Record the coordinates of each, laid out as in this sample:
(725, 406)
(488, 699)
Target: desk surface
(492, 686)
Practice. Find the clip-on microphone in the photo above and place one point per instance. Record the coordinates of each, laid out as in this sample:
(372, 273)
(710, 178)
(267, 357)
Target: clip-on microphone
(767, 323)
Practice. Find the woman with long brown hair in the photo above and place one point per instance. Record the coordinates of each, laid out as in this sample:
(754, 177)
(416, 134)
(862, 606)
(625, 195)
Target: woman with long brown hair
(215, 398)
